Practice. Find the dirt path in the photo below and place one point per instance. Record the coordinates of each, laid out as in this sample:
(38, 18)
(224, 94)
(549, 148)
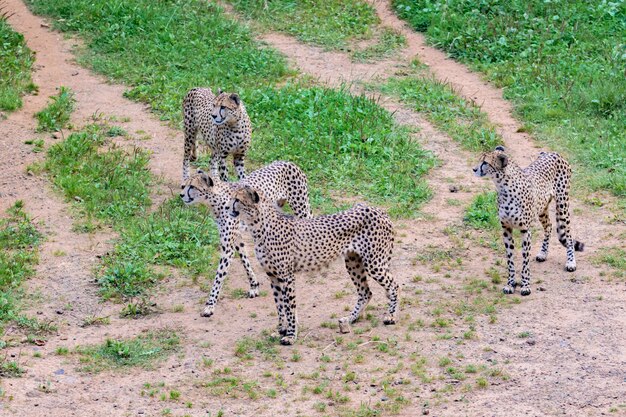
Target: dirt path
(573, 366)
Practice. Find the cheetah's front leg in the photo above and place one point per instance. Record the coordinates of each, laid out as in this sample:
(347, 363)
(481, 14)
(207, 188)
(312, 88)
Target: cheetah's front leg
(526, 235)
(239, 166)
(278, 300)
(226, 242)
(289, 304)
(507, 235)
(254, 284)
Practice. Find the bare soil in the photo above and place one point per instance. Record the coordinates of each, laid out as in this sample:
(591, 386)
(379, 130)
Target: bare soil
(572, 362)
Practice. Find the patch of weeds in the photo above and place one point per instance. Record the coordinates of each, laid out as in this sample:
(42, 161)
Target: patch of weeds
(62, 351)
(232, 387)
(482, 213)
(388, 42)
(614, 257)
(56, 115)
(328, 23)
(38, 144)
(441, 105)
(101, 179)
(16, 62)
(139, 307)
(172, 235)
(561, 63)
(19, 240)
(142, 351)
(265, 345)
(10, 369)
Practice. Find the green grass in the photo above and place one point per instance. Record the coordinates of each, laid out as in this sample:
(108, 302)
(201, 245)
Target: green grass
(443, 107)
(142, 351)
(560, 62)
(16, 62)
(172, 235)
(483, 212)
(102, 180)
(614, 257)
(347, 145)
(387, 44)
(344, 143)
(164, 48)
(19, 240)
(56, 115)
(10, 369)
(332, 24)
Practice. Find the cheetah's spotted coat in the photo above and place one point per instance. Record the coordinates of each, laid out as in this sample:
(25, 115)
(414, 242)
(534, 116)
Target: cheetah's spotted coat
(525, 194)
(285, 245)
(280, 181)
(224, 125)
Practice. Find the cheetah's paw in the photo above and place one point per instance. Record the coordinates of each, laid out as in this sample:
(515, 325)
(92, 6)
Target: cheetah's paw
(344, 325)
(525, 291)
(208, 311)
(508, 289)
(287, 340)
(389, 319)
(253, 292)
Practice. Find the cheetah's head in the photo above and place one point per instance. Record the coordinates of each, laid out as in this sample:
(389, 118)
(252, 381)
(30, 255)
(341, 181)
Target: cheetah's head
(197, 188)
(245, 205)
(492, 163)
(226, 108)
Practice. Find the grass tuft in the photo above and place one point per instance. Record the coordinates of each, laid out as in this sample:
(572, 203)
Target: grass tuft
(141, 351)
(19, 240)
(16, 62)
(56, 115)
(483, 212)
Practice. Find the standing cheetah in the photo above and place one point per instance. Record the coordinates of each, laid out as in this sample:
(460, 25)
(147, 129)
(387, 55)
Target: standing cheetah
(280, 181)
(525, 194)
(285, 245)
(224, 125)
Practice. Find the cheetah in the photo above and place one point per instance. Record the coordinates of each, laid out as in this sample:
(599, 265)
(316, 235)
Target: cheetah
(525, 194)
(283, 182)
(224, 124)
(285, 245)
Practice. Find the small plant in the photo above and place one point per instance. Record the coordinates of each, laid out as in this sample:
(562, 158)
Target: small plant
(483, 212)
(57, 113)
(10, 369)
(62, 351)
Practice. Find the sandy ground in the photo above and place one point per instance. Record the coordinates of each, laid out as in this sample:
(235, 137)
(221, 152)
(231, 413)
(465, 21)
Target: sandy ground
(573, 361)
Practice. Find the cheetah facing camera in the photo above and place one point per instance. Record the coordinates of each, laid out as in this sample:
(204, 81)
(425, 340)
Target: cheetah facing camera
(525, 194)
(223, 123)
(285, 245)
(280, 181)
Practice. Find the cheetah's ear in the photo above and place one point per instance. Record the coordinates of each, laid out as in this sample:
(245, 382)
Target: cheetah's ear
(503, 160)
(219, 91)
(254, 196)
(205, 177)
(235, 97)
(500, 148)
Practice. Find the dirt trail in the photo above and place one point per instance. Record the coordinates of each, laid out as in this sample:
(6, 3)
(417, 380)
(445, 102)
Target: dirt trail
(573, 366)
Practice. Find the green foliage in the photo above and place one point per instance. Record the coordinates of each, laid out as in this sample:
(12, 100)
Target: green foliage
(10, 369)
(389, 42)
(16, 62)
(347, 145)
(614, 257)
(463, 121)
(163, 48)
(329, 23)
(19, 240)
(142, 351)
(561, 62)
(102, 179)
(343, 142)
(483, 212)
(56, 115)
(173, 235)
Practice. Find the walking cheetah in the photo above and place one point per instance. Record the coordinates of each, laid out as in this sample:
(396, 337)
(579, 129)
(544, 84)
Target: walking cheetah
(224, 125)
(285, 245)
(525, 194)
(280, 181)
